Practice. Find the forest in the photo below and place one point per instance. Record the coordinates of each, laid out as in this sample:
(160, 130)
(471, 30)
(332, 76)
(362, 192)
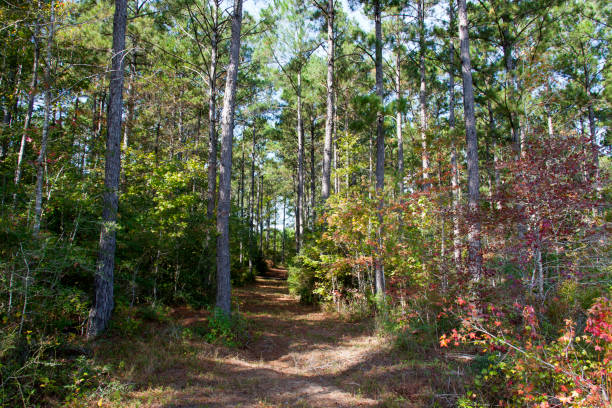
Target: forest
(305, 203)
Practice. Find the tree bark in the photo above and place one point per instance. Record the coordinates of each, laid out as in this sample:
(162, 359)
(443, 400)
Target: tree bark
(241, 200)
(423, 94)
(225, 172)
(212, 113)
(283, 238)
(268, 215)
(455, 188)
(127, 128)
(380, 150)
(312, 174)
(251, 204)
(511, 85)
(330, 114)
(100, 313)
(591, 116)
(398, 122)
(474, 254)
(260, 212)
(30, 109)
(45, 132)
(300, 181)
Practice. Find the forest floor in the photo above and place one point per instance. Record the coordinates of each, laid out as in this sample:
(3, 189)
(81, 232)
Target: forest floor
(296, 356)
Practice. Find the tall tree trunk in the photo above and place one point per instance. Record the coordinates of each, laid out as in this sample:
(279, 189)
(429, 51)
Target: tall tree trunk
(474, 254)
(300, 181)
(335, 165)
(260, 215)
(594, 149)
(591, 115)
(312, 173)
(268, 216)
(45, 133)
(551, 130)
(330, 114)
(496, 175)
(30, 109)
(423, 94)
(127, 128)
(380, 150)
(455, 188)
(225, 172)
(181, 130)
(511, 96)
(196, 136)
(370, 164)
(101, 109)
(100, 313)
(251, 204)
(398, 122)
(212, 112)
(275, 230)
(241, 200)
(283, 238)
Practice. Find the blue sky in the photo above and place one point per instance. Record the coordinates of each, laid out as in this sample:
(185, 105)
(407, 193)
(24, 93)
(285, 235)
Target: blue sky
(253, 7)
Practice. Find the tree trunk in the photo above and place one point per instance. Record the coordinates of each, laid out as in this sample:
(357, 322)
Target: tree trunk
(335, 165)
(241, 201)
(225, 172)
(212, 113)
(251, 204)
(455, 188)
(496, 175)
(329, 116)
(30, 109)
(380, 150)
(370, 165)
(398, 123)
(268, 215)
(127, 128)
(511, 85)
(275, 230)
(260, 212)
(312, 174)
(103, 304)
(242, 163)
(591, 116)
(474, 254)
(283, 243)
(45, 132)
(300, 181)
(423, 94)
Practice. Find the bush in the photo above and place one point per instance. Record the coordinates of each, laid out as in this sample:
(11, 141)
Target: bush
(301, 283)
(572, 370)
(37, 370)
(230, 331)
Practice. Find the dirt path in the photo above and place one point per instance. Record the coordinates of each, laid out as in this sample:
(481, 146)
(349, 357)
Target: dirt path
(297, 356)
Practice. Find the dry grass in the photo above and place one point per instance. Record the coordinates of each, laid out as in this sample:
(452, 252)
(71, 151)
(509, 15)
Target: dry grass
(297, 356)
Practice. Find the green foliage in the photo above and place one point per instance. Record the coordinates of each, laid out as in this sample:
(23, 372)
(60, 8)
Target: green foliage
(230, 331)
(301, 281)
(35, 370)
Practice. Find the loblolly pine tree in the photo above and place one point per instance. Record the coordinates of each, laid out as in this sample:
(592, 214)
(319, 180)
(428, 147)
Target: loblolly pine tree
(102, 308)
(474, 248)
(225, 171)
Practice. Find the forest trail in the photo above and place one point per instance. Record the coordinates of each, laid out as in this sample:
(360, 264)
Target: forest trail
(298, 356)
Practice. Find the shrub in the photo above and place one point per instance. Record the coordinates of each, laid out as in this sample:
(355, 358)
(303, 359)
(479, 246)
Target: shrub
(230, 331)
(571, 370)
